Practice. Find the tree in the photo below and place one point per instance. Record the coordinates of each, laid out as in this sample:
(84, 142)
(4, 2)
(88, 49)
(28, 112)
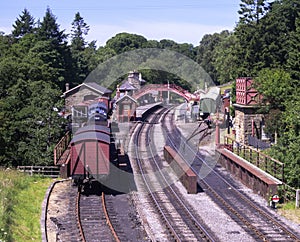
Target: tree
(45, 63)
(24, 24)
(49, 29)
(293, 61)
(79, 29)
(249, 33)
(29, 125)
(78, 46)
(225, 60)
(49, 33)
(206, 52)
(252, 11)
(125, 42)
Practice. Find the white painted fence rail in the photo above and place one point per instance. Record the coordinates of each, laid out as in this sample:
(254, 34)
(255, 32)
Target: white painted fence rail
(47, 171)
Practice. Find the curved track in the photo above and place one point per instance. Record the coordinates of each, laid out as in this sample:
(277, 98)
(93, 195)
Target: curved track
(253, 218)
(86, 217)
(178, 218)
(93, 219)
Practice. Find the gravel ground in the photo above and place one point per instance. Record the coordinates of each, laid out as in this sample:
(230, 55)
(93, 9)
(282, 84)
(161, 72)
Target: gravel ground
(227, 229)
(220, 223)
(149, 217)
(58, 208)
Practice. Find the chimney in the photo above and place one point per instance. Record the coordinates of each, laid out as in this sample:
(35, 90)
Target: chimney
(67, 87)
(118, 92)
(140, 77)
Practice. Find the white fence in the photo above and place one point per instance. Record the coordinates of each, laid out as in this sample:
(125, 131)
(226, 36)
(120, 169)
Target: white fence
(46, 171)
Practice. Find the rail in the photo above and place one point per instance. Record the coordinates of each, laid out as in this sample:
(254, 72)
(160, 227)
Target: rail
(61, 146)
(46, 171)
(108, 221)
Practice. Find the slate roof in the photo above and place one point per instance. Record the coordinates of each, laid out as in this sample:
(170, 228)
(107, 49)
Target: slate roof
(91, 85)
(126, 96)
(126, 86)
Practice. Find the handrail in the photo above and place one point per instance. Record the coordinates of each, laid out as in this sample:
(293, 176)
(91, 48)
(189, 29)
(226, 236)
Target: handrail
(172, 87)
(61, 146)
(256, 157)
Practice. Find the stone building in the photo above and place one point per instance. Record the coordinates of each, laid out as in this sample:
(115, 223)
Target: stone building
(125, 108)
(132, 83)
(125, 104)
(84, 92)
(248, 121)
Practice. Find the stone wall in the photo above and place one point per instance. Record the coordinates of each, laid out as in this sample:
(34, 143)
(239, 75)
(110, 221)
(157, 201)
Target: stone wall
(243, 123)
(78, 97)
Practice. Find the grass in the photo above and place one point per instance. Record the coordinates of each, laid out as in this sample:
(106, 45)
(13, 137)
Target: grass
(21, 197)
(289, 211)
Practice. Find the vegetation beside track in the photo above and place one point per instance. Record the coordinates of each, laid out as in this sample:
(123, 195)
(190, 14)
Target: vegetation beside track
(289, 211)
(21, 198)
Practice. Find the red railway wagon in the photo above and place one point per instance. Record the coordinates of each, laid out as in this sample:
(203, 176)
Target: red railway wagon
(90, 154)
(94, 128)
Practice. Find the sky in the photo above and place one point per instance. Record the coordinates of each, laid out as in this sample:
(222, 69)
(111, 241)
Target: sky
(185, 21)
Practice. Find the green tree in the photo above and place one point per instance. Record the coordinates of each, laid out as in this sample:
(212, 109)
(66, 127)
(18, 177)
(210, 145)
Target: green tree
(49, 29)
(104, 53)
(251, 11)
(276, 86)
(225, 59)
(29, 125)
(90, 54)
(25, 24)
(46, 63)
(79, 29)
(50, 35)
(123, 42)
(78, 46)
(293, 61)
(206, 52)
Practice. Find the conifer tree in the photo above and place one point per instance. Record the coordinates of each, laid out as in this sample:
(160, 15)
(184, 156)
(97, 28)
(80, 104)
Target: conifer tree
(252, 10)
(79, 29)
(24, 24)
(49, 29)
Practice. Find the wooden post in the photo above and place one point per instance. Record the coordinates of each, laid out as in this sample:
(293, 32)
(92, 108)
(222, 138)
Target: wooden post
(217, 131)
(297, 198)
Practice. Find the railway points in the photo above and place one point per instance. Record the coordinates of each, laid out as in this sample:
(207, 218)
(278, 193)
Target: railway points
(177, 214)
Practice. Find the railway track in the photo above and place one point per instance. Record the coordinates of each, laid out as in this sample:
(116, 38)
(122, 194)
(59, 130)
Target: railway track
(93, 220)
(179, 219)
(257, 221)
(83, 217)
(61, 220)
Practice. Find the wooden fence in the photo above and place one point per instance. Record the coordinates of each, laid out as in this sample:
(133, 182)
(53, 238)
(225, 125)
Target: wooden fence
(46, 171)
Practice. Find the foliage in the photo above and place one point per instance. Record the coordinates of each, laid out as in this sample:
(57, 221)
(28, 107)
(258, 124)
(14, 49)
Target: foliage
(207, 53)
(125, 42)
(49, 29)
(36, 61)
(252, 10)
(24, 25)
(281, 95)
(30, 138)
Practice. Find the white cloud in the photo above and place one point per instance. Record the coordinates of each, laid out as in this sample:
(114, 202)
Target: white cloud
(6, 30)
(179, 32)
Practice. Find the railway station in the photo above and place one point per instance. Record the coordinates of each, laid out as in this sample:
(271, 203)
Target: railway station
(180, 154)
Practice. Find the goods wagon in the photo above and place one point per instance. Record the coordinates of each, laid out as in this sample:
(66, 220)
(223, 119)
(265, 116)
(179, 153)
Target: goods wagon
(90, 154)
